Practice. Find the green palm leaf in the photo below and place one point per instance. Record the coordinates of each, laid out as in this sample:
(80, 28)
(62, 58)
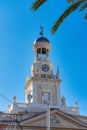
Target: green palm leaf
(71, 8)
(70, 1)
(84, 6)
(37, 4)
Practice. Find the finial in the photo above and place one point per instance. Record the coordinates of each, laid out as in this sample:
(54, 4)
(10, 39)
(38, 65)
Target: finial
(41, 31)
(14, 99)
(76, 104)
(27, 77)
(63, 101)
(58, 72)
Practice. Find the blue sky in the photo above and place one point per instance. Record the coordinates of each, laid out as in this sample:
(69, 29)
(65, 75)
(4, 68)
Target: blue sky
(19, 27)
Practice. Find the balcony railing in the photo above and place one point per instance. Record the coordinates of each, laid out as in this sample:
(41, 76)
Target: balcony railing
(42, 59)
(49, 76)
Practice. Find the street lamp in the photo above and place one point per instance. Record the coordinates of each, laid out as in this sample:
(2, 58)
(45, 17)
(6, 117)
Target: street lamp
(48, 114)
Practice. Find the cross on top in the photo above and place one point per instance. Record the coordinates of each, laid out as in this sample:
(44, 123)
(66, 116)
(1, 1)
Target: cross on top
(41, 31)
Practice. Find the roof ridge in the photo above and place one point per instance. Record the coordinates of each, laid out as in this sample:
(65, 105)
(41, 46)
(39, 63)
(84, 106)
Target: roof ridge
(73, 117)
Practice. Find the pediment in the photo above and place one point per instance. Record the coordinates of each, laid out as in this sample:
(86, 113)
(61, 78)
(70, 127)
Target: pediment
(57, 119)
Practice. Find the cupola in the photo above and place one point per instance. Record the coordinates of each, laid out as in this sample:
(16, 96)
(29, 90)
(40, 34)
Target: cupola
(41, 47)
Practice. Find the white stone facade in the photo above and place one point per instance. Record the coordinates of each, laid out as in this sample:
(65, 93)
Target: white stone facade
(43, 85)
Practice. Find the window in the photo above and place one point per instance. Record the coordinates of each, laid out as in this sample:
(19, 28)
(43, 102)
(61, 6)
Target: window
(55, 120)
(45, 96)
(39, 52)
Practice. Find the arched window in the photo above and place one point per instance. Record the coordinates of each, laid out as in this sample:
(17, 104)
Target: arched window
(39, 52)
(44, 52)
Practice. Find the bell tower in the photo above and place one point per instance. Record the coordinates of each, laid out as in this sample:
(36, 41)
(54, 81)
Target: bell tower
(42, 48)
(42, 63)
(43, 85)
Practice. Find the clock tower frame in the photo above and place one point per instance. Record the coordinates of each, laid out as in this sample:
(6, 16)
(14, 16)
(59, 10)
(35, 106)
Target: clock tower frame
(43, 85)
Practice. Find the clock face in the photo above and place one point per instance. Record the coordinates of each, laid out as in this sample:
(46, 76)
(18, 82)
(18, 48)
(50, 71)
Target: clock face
(45, 67)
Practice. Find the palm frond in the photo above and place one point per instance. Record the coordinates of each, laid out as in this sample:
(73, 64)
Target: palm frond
(85, 16)
(70, 1)
(37, 4)
(70, 9)
(84, 6)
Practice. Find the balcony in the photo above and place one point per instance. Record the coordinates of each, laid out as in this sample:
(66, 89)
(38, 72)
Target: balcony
(49, 76)
(42, 59)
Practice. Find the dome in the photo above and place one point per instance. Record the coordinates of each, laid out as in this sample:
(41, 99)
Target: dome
(42, 39)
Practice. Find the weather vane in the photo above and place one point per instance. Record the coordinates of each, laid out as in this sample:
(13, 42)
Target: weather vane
(41, 31)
